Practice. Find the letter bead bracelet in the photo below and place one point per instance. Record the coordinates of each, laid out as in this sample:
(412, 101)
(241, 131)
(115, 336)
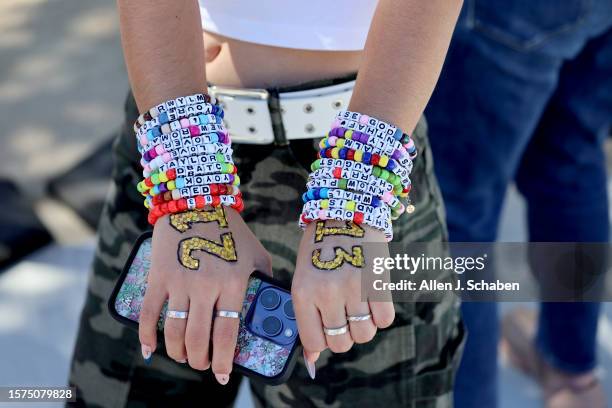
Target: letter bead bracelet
(361, 174)
(186, 157)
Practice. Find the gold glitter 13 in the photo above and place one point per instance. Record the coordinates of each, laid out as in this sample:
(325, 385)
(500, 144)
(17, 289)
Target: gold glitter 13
(182, 221)
(351, 230)
(226, 249)
(356, 258)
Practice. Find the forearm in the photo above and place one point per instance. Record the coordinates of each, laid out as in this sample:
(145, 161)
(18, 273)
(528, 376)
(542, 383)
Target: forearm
(163, 48)
(404, 53)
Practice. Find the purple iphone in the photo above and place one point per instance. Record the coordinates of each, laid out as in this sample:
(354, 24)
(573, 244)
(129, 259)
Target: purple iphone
(267, 337)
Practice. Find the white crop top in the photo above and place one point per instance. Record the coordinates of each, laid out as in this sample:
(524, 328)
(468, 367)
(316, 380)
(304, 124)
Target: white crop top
(311, 24)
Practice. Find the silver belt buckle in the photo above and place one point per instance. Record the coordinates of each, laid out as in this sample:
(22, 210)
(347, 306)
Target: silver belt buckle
(250, 120)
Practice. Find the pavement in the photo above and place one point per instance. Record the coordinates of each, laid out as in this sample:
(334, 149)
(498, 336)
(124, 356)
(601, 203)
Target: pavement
(62, 84)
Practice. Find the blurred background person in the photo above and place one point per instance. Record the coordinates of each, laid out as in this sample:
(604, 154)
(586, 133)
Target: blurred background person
(526, 96)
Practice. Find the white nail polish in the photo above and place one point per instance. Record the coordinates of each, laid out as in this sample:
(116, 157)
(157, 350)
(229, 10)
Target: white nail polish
(312, 370)
(222, 378)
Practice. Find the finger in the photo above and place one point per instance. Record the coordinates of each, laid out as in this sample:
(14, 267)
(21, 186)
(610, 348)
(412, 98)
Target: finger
(362, 331)
(310, 326)
(197, 333)
(225, 329)
(153, 301)
(383, 313)
(174, 328)
(334, 317)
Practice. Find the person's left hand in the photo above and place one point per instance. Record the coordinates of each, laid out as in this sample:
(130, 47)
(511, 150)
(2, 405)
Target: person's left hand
(326, 288)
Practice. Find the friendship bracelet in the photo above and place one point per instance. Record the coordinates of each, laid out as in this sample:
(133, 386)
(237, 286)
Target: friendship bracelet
(379, 169)
(195, 145)
(185, 204)
(167, 161)
(181, 138)
(381, 223)
(173, 103)
(373, 125)
(187, 192)
(200, 118)
(153, 136)
(401, 157)
(386, 145)
(173, 155)
(194, 181)
(326, 193)
(193, 161)
(166, 197)
(189, 111)
(353, 175)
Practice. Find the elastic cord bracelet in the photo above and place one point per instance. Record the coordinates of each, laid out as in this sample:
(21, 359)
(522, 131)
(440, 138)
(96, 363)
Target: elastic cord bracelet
(400, 157)
(376, 221)
(153, 129)
(179, 139)
(195, 181)
(386, 145)
(380, 169)
(152, 201)
(185, 162)
(173, 103)
(190, 111)
(194, 203)
(372, 125)
(326, 193)
(155, 136)
(168, 160)
(212, 189)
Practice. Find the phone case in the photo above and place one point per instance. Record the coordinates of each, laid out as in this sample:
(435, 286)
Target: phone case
(255, 356)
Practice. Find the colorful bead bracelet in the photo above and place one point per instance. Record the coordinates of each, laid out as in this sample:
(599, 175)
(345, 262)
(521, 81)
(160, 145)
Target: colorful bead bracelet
(195, 203)
(173, 103)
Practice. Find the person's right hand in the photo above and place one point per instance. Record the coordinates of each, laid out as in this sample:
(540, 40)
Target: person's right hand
(200, 263)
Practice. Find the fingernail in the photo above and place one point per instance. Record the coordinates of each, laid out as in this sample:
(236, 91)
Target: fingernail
(146, 353)
(310, 366)
(222, 378)
(181, 361)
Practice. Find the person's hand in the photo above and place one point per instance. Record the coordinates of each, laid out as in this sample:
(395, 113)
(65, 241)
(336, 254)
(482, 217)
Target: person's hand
(200, 263)
(326, 288)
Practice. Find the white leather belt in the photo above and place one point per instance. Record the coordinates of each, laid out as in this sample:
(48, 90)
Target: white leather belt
(304, 114)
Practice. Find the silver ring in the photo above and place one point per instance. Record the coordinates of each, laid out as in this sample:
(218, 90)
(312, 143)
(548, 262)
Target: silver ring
(336, 331)
(228, 313)
(359, 318)
(176, 314)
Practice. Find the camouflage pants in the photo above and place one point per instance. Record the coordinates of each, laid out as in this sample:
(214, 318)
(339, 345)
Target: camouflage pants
(410, 364)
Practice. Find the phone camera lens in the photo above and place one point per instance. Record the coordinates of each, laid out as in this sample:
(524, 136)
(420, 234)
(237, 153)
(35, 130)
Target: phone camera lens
(269, 299)
(272, 325)
(288, 309)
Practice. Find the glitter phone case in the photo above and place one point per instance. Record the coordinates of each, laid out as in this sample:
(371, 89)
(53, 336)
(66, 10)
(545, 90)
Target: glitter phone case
(267, 352)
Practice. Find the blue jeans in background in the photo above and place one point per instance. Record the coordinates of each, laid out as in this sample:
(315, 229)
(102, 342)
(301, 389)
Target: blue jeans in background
(525, 95)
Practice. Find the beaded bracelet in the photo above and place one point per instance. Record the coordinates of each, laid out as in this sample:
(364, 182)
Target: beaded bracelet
(380, 168)
(156, 136)
(189, 182)
(177, 140)
(400, 158)
(187, 192)
(152, 202)
(203, 136)
(326, 193)
(172, 103)
(184, 204)
(197, 160)
(192, 112)
(168, 160)
(381, 223)
(386, 145)
(370, 124)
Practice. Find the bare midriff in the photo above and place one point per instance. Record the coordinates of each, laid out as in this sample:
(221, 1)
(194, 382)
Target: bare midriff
(247, 65)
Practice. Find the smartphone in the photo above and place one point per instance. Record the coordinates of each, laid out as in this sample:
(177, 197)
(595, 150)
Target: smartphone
(268, 337)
